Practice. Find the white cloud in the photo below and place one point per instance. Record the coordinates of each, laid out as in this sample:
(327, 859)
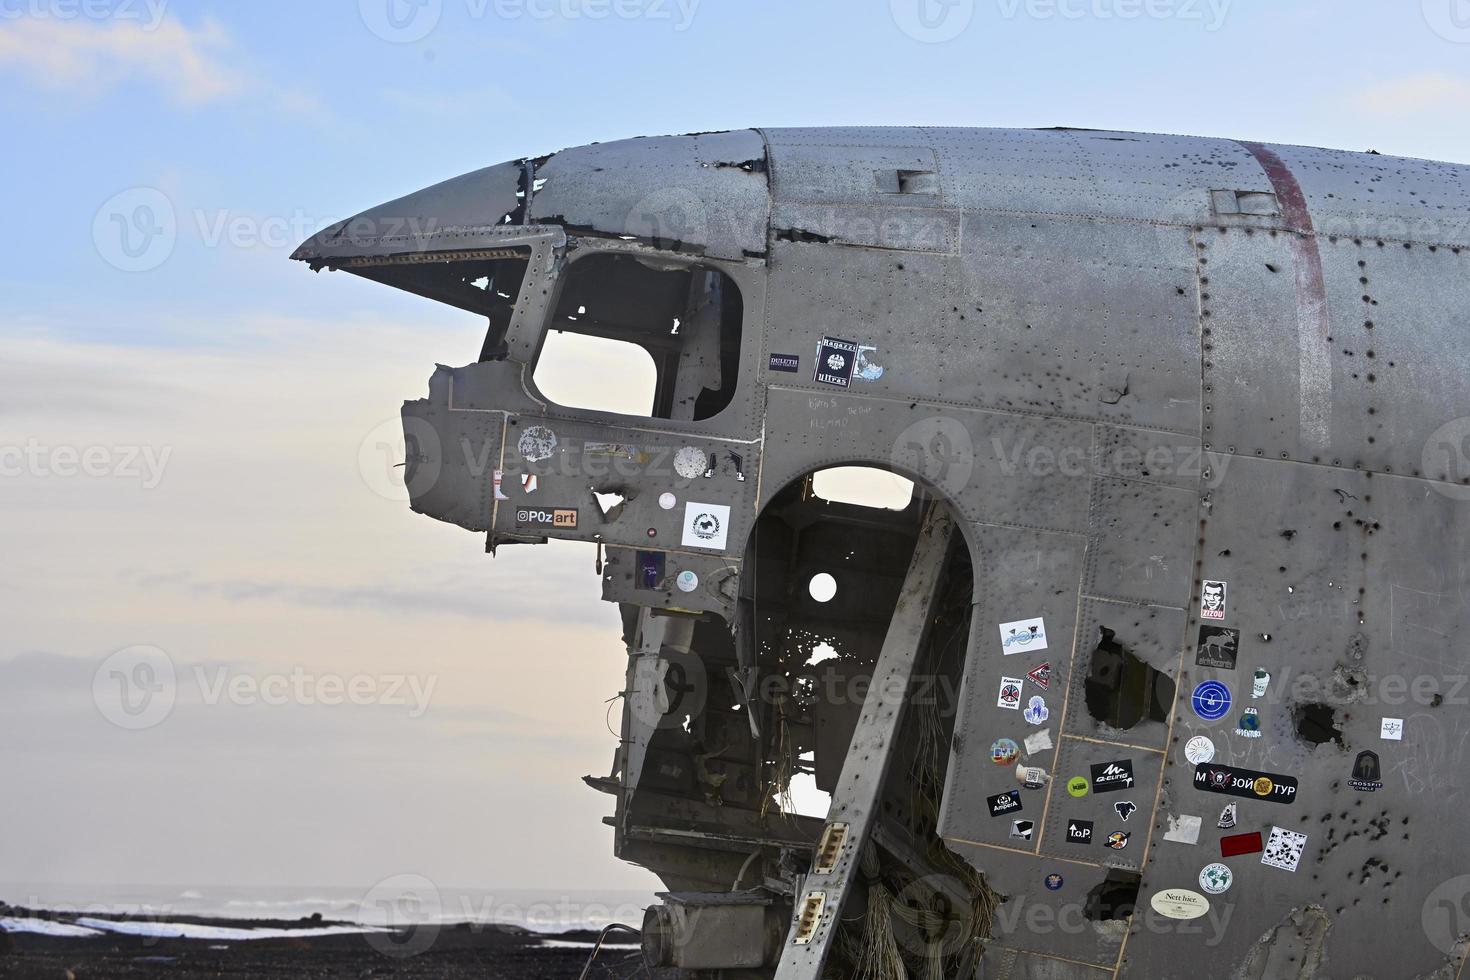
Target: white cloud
(88, 56)
(1423, 92)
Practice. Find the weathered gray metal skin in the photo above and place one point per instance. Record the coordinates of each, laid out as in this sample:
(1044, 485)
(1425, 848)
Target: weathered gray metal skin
(1129, 363)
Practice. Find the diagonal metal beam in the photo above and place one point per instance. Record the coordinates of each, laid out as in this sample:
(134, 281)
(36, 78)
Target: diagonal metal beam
(855, 803)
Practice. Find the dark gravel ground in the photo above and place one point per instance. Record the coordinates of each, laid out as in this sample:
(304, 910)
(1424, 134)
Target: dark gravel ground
(455, 951)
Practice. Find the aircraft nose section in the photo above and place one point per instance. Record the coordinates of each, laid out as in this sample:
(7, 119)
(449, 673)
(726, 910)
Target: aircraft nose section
(473, 211)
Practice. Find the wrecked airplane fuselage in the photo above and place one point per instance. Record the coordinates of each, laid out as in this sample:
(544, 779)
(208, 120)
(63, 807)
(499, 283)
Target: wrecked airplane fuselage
(1158, 671)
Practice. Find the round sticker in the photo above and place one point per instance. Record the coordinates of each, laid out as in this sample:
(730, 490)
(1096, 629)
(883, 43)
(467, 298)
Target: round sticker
(1053, 882)
(1263, 787)
(1215, 879)
(1211, 700)
(687, 581)
(1179, 903)
(689, 462)
(1199, 749)
(667, 500)
(1004, 751)
(1077, 786)
(537, 442)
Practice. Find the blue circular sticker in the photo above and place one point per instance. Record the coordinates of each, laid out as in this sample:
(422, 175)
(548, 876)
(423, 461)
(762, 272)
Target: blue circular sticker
(1211, 700)
(1053, 882)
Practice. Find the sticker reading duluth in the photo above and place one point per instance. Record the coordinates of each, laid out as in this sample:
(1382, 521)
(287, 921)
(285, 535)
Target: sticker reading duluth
(1245, 783)
(1022, 636)
(789, 363)
(835, 361)
(706, 526)
(1212, 600)
(561, 518)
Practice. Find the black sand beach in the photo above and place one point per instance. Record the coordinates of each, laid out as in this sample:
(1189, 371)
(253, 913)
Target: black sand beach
(478, 951)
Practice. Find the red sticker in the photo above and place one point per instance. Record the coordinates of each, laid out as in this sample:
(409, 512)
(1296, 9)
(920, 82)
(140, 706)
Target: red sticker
(1240, 844)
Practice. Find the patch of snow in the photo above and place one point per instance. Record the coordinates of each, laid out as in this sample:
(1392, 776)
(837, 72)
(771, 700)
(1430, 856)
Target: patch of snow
(45, 927)
(189, 930)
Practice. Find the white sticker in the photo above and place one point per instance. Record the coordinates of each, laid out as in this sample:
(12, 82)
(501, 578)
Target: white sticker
(1009, 695)
(1392, 729)
(687, 581)
(1183, 830)
(537, 442)
(1179, 903)
(1022, 636)
(706, 526)
(1215, 879)
(1284, 849)
(690, 462)
(667, 500)
(1038, 742)
(1036, 712)
(1212, 600)
(1199, 749)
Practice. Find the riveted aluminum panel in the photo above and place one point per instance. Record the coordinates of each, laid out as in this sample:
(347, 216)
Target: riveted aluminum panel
(705, 194)
(1041, 931)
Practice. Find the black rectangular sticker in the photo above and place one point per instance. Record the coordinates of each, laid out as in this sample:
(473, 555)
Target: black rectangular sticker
(790, 363)
(651, 570)
(1245, 783)
(1004, 803)
(1079, 831)
(1219, 646)
(1109, 777)
(835, 361)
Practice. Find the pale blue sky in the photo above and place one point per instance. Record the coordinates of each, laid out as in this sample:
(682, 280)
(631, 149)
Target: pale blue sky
(265, 545)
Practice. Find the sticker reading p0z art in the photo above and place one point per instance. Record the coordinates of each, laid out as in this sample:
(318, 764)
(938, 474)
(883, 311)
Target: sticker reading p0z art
(1022, 636)
(706, 526)
(561, 518)
(1245, 783)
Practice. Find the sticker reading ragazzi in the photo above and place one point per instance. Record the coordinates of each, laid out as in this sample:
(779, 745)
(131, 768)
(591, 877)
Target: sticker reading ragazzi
(835, 361)
(563, 518)
(1245, 783)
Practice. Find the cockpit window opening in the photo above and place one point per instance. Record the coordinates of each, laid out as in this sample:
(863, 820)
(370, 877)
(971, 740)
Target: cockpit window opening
(629, 301)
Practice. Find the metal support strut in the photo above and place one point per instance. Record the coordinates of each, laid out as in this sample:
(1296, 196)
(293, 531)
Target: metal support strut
(855, 803)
